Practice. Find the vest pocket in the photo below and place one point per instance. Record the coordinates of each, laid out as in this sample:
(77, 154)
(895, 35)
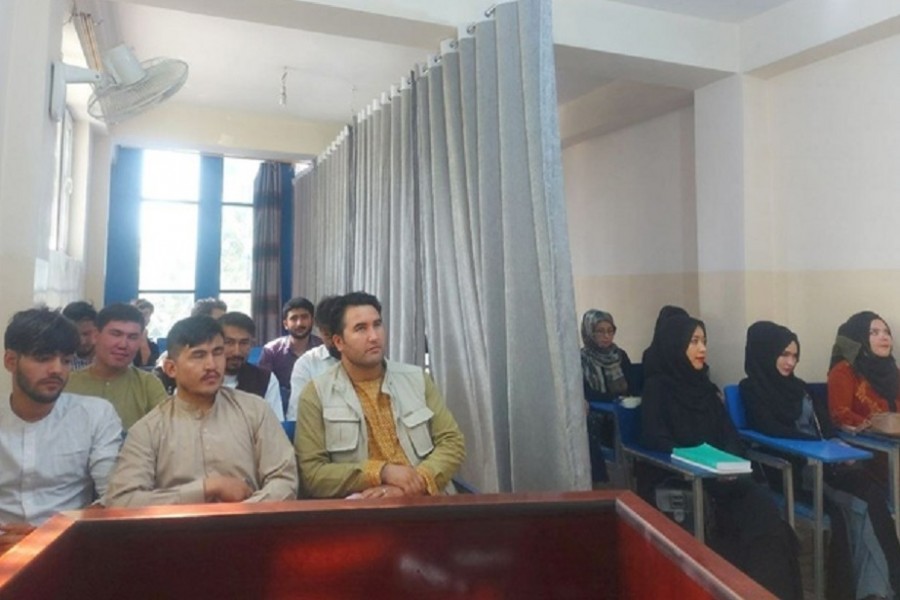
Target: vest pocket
(416, 424)
(341, 429)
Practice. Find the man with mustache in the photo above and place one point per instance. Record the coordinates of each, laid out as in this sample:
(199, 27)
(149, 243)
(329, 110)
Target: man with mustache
(316, 361)
(239, 330)
(84, 315)
(112, 375)
(56, 449)
(207, 443)
(279, 355)
(370, 427)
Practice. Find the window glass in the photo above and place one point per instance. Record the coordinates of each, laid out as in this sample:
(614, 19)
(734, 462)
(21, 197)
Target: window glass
(237, 302)
(237, 247)
(237, 183)
(168, 246)
(170, 176)
(167, 309)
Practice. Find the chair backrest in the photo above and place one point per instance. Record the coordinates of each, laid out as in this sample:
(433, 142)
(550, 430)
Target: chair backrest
(628, 423)
(818, 391)
(255, 354)
(635, 377)
(735, 405)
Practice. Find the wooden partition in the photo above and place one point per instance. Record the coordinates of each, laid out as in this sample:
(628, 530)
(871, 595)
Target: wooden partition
(569, 545)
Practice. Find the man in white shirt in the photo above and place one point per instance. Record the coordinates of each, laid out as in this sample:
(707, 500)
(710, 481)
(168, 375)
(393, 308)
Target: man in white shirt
(56, 449)
(207, 443)
(316, 361)
(239, 331)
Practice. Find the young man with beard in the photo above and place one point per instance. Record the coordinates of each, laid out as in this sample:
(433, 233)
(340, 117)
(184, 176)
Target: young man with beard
(84, 315)
(112, 375)
(239, 330)
(316, 361)
(207, 443)
(279, 355)
(56, 449)
(371, 427)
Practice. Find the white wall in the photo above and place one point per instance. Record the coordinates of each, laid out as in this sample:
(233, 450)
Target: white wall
(632, 223)
(835, 155)
(30, 36)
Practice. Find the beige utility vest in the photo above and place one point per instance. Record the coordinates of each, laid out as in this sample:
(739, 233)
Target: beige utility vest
(346, 434)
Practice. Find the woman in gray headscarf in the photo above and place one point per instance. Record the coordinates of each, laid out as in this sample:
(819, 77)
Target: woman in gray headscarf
(605, 366)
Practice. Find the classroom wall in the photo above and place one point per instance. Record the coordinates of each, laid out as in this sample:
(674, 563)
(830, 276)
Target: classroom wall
(30, 36)
(836, 185)
(632, 223)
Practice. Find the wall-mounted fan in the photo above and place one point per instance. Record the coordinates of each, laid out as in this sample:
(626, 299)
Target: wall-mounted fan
(125, 88)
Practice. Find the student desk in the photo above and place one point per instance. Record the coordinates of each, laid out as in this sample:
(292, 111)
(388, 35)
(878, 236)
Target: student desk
(553, 545)
(889, 445)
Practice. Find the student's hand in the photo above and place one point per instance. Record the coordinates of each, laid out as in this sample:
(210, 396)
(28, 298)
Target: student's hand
(379, 491)
(13, 533)
(404, 477)
(226, 489)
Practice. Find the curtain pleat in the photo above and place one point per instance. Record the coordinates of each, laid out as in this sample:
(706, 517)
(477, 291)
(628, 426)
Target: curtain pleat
(265, 281)
(446, 198)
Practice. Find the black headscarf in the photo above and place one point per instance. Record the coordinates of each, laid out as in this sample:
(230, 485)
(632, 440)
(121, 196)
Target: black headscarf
(779, 396)
(650, 359)
(852, 345)
(691, 387)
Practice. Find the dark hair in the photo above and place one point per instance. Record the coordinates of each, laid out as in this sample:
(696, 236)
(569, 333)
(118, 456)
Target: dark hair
(41, 332)
(342, 303)
(119, 312)
(295, 303)
(323, 312)
(141, 304)
(80, 311)
(191, 332)
(239, 320)
(205, 307)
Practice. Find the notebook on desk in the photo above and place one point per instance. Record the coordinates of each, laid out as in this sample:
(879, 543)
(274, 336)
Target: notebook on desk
(712, 459)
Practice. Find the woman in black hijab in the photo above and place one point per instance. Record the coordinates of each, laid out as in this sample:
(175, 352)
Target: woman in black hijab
(650, 359)
(682, 407)
(777, 404)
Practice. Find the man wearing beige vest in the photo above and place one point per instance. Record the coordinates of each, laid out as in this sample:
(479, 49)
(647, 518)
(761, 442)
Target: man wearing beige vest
(369, 427)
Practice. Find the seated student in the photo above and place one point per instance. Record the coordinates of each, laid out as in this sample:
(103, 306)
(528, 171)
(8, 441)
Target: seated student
(112, 375)
(84, 315)
(777, 404)
(207, 443)
(371, 426)
(649, 359)
(148, 351)
(280, 354)
(316, 361)
(239, 330)
(863, 378)
(56, 449)
(604, 368)
(682, 407)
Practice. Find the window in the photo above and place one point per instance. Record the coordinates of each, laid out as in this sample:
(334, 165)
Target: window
(176, 216)
(237, 232)
(62, 185)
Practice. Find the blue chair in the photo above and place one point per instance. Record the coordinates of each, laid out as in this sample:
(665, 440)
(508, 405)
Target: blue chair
(890, 446)
(817, 453)
(289, 428)
(628, 433)
(255, 353)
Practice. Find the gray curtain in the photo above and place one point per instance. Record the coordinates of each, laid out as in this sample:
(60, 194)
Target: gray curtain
(265, 281)
(458, 222)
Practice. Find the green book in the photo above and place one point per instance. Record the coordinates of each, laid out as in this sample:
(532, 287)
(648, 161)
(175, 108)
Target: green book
(712, 459)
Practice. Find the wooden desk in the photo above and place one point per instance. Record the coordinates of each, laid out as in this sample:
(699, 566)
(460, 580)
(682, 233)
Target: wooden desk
(557, 545)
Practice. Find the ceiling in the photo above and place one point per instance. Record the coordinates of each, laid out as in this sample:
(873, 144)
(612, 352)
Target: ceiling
(240, 64)
(729, 11)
